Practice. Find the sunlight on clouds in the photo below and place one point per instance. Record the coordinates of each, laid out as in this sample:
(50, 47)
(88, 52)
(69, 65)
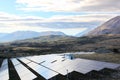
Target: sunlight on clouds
(70, 24)
(11, 23)
(6, 16)
(49, 5)
(10, 18)
(81, 18)
(100, 5)
(69, 5)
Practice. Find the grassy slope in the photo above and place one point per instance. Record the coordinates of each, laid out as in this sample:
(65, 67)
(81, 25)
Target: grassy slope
(48, 39)
(115, 58)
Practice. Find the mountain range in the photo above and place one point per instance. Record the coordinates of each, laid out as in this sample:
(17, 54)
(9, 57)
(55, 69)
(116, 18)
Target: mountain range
(112, 26)
(20, 35)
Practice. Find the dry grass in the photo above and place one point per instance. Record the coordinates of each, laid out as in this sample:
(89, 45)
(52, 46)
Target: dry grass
(114, 58)
(24, 48)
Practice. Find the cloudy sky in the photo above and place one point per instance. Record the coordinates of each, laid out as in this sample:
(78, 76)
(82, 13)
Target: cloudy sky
(68, 16)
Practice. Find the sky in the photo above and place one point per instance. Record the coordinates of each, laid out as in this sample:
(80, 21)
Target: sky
(68, 16)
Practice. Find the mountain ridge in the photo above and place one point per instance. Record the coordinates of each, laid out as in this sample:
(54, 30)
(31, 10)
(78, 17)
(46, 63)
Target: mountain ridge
(112, 26)
(20, 35)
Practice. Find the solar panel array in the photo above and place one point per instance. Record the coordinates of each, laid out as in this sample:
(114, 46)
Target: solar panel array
(4, 70)
(49, 66)
(22, 71)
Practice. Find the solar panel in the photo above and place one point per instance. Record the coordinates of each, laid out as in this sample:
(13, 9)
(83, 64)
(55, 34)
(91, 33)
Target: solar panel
(22, 71)
(43, 71)
(1, 60)
(5, 62)
(90, 65)
(26, 61)
(42, 58)
(15, 62)
(112, 65)
(58, 66)
(4, 75)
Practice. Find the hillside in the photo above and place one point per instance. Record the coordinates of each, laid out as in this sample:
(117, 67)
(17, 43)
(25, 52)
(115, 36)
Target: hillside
(112, 26)
(99, 44)
(48, 38)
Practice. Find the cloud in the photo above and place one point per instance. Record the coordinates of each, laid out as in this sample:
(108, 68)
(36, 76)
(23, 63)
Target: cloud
(57, 21)
(100, 5)
(66, 24)
(11, 23)
(47, 5)
(91, 17)
(69, 5)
